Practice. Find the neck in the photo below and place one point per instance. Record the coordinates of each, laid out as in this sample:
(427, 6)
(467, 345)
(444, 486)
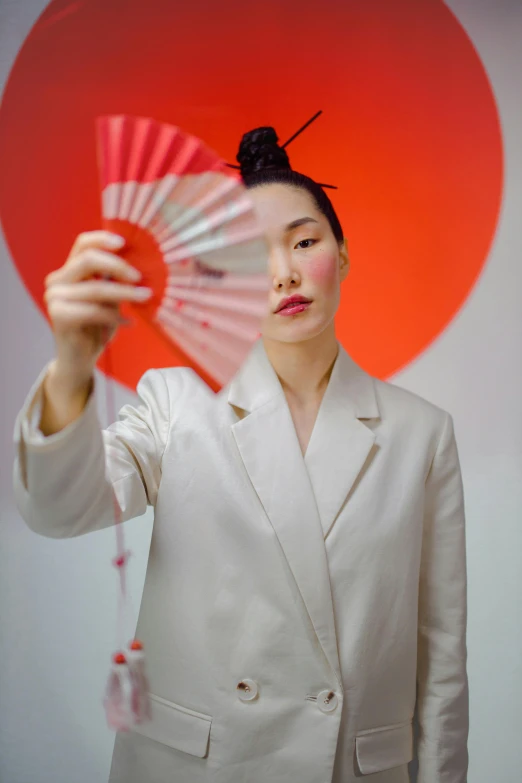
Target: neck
(304, 368)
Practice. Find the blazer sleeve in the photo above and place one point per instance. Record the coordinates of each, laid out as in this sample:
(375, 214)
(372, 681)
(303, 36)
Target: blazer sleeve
(65, 484)
(442, 706)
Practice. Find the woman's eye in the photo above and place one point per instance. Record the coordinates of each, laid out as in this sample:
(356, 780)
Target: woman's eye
(304, 244)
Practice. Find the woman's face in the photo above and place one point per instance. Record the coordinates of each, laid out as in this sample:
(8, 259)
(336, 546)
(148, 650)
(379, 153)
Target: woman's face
(306, 263)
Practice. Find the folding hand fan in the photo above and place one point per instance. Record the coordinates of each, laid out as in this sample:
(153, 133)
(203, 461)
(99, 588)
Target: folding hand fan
(191, 230)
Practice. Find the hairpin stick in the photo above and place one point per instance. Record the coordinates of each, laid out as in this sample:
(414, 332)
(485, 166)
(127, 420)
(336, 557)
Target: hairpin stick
(296, 134)
(316, 115)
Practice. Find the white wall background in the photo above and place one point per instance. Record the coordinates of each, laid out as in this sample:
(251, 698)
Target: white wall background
(57, 598)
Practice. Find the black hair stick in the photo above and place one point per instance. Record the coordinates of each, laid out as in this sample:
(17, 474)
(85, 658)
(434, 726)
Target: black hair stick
(305, 126)
(296, 134)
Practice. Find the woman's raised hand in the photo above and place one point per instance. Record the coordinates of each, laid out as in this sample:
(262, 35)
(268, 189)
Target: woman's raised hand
(83, 298)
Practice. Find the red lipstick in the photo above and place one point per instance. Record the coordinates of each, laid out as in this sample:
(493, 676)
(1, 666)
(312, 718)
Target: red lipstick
(292, 305)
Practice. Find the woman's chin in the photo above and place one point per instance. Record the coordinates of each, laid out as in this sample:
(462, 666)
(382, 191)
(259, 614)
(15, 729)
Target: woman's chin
(295, 330)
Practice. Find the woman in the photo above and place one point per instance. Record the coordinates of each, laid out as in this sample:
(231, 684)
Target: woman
(305, 590)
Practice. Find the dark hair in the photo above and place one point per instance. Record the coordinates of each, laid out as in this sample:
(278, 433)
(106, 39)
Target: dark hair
(263, 162)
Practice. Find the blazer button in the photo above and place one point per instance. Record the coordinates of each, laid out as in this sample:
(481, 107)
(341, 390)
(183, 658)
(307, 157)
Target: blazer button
(327, 701)
(247, 690)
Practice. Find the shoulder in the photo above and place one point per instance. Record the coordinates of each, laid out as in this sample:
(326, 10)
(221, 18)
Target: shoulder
(393, 405)
(394, 398)
(408, 412)
(175, 382)
(175, 389)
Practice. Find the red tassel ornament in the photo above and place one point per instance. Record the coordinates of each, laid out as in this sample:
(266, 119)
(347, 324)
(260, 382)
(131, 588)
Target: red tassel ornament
(118, 695)
(140, 701)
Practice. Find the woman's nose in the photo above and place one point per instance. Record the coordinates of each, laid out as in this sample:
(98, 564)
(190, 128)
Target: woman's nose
(284, 274)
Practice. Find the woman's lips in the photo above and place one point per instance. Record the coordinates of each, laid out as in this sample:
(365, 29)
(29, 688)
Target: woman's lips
(294, 308)
(291, 305)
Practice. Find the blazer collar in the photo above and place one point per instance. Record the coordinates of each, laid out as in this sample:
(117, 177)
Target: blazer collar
(350, 386)
(302, 497)
(342, 445)
(255, 383)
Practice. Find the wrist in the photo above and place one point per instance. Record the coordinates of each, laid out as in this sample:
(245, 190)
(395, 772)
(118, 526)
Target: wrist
(68, 379)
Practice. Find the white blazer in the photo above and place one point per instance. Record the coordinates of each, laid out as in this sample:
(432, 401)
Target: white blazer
(292, 606)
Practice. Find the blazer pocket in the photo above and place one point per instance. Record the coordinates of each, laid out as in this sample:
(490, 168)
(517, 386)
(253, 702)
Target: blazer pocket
(379, 749)
(177, 727)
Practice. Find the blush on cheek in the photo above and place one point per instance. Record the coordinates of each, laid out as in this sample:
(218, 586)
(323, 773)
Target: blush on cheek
(323, 270)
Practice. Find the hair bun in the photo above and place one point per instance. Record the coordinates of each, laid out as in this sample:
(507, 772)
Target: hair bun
(259, 150)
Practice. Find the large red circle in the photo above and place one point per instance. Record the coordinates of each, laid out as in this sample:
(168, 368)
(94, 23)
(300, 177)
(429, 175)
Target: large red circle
(410, 134)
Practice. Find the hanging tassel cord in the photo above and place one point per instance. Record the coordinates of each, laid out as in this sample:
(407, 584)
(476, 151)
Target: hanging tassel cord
(122, 555)
(126, 700)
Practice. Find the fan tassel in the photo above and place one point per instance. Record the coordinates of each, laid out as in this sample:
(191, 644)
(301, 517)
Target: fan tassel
(127, 702)
(140, 700)
(118, 695)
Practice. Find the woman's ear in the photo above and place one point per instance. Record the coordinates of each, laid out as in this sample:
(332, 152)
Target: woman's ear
(344, 260)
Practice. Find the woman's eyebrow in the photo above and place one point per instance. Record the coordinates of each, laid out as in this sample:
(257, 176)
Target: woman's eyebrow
(299, 222)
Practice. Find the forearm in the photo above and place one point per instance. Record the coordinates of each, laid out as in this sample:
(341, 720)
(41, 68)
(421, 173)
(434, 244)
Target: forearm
(66, 483)
(64, 396)
(60, 482)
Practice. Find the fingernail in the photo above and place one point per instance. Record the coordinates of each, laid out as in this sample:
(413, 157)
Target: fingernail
(142, 293)
(114, 240)
(135, 274)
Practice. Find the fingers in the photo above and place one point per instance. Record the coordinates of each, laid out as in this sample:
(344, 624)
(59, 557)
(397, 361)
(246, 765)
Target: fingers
(74, 314)
(88, 289)
(90, 262)
(97, 292)
(104, 240)
(94, 254)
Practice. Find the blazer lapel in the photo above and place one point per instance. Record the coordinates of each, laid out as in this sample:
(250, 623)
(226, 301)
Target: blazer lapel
(341, 444)
(268, 444)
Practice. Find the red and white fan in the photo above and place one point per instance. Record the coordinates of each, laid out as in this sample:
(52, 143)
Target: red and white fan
(191, 230)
